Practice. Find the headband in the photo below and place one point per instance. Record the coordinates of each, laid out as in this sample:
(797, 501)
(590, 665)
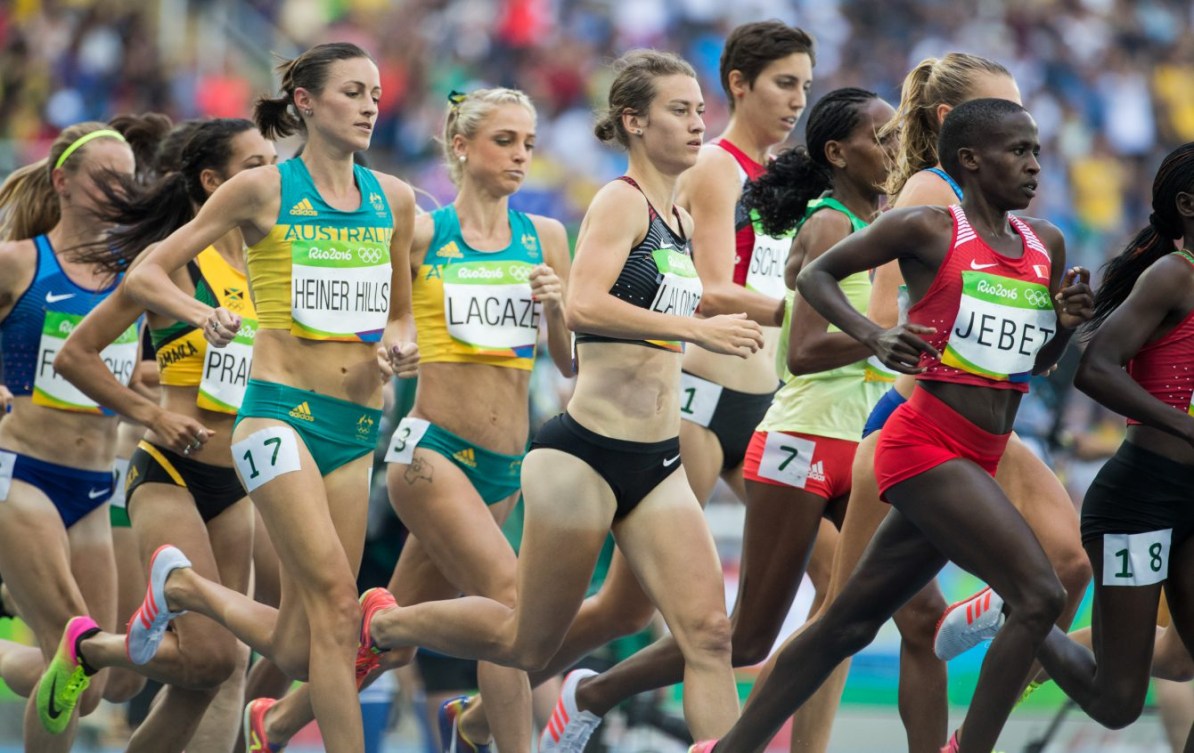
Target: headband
(82, 140)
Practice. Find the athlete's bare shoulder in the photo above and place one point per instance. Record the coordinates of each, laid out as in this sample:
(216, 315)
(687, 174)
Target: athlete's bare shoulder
(926, 189)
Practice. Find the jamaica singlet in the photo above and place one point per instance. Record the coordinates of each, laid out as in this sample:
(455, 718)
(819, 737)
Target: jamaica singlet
(475, 306)
(323, 273)
(184, 358)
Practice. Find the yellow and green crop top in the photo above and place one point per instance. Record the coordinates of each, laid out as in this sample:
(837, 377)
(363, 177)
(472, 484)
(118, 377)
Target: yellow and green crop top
(475, 306)
(323, 273)
(185, 360)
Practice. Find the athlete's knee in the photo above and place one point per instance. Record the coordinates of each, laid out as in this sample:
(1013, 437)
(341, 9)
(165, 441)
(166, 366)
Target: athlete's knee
(293, 659)
(751, 645)
(123, 685)
(1118, 707)
(210, 664)
(1039, 604)
(91, 697)
(335, 615)
(917, 620)
(706, 638)
(1074, 571)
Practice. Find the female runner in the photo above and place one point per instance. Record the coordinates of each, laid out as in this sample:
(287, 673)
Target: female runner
(178, 493)
(328, 265)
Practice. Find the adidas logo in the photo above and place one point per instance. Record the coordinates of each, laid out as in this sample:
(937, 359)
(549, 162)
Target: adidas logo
(302, 411)
(449, 251)
(303, 209)
(816, 471)
(466, 456)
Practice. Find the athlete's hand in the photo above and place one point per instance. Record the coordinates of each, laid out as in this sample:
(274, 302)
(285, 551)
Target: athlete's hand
(181, 434)
(221, 327)
(731, 334)
(5, 401)
(899, 348)
(1075, 301)
(546, 287)
(400, 360)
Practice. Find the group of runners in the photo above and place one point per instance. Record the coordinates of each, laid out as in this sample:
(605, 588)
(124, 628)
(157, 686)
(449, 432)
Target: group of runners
(189, 325)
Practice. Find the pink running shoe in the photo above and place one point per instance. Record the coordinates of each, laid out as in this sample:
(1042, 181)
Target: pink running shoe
(372, 601)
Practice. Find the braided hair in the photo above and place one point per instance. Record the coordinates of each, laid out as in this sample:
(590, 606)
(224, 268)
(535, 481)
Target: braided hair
(1174, 176)
(781, 194)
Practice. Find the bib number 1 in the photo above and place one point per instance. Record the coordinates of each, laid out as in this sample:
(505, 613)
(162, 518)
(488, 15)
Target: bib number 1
(265, 455)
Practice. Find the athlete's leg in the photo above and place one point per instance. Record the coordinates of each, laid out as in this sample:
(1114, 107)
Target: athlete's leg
(1043, 501)
(898, 563)
(123, 684)
(922, 693)
(781, 523)
(667, 543)
(984, 534)
(313, 634)
(1175, 706)
(701, 452)
(568, 512)
(462, 538)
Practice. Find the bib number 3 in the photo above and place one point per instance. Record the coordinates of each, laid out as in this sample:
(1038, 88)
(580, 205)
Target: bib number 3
(405, 439)
(1136, 559)
(265, 455)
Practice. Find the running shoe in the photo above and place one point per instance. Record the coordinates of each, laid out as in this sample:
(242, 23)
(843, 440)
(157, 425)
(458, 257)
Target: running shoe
(65, 679)
(1032, 686)
(147, 626)
(255, 738)
(968, 623)
(368, 653)
(704, 746)
(450, 736)
(952, 745)
(570, 728)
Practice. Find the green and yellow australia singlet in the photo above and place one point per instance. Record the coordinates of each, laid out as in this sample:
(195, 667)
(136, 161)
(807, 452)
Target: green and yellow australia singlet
(475, 306)
(832, 403)
(184, 358)
(323, 273)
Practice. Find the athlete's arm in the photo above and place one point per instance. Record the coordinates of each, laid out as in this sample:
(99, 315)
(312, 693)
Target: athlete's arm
(80, 362)
(811, 347)
(606, 237)
(398, 355)
(17, 268)
(240, 203)
(709, 191)
(1072, 297)
(1160, 296)
(549, 282)
(924, 189)
(900, 234)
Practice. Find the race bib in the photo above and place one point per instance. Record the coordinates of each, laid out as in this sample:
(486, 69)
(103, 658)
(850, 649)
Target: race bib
(405, 439)
(787, 459)
(340, 290)
(226, 371)
(488, 305)
(1136, 559)
(265, 455)
(680, 288)
(8, 461)
(54, 391)
(120, 472)
(766, 271)
(698, 399)
(1002, 324)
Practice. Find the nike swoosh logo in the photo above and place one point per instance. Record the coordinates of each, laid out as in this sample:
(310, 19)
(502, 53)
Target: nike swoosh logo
(52, 709)
(976, 265)
(669, 462)
(96, 494)
(56, 297)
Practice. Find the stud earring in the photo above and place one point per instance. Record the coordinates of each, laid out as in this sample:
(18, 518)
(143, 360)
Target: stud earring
(308, 112)
(638, 133)
(463, 158)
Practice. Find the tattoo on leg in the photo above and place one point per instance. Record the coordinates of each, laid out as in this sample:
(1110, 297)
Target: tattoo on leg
(418, 470)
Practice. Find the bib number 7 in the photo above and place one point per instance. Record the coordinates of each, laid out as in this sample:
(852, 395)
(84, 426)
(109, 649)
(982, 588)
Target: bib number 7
(264, 455)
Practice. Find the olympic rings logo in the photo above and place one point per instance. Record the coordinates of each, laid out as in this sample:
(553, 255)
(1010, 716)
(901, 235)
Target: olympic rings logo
(1037, 298)
(520, 272)
(369, 255)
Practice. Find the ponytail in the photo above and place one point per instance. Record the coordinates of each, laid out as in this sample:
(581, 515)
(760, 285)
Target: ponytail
(1176, 175)
(276, 116)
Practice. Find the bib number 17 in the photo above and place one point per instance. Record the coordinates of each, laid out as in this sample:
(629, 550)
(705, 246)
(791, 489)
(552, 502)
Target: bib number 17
(264, 455)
